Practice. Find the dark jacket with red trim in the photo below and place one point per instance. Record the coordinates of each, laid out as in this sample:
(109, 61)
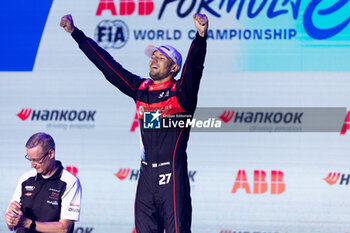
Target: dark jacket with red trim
(174, 96)
(163, 193)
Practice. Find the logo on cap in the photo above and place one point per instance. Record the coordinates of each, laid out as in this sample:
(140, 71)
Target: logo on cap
(167, 50)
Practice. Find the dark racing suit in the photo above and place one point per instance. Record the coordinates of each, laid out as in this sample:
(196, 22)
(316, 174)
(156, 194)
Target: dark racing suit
(163, 193)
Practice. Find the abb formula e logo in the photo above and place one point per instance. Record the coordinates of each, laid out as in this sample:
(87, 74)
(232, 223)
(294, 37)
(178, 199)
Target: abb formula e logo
(126, 7)
(133, 174)
(346, 125)
(334, 177)
(260, 185)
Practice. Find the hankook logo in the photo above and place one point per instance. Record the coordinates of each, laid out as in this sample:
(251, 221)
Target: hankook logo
(57, 115)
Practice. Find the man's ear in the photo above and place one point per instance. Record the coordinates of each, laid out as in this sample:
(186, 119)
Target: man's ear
(52, 154)
(175, 68)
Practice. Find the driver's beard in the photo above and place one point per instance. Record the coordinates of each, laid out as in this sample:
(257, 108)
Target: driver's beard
(157, 76)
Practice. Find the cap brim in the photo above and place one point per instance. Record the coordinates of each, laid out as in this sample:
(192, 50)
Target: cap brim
(149, 50)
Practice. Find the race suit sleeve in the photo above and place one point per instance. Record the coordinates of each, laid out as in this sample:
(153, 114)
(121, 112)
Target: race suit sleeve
(188, 84)
(124, 80)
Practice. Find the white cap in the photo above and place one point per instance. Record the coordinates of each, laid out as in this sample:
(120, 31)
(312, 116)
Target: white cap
(167, 50)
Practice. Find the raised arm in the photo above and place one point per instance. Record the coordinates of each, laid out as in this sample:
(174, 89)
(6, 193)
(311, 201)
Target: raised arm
(201, 23)
(124, 80)
(188, 85)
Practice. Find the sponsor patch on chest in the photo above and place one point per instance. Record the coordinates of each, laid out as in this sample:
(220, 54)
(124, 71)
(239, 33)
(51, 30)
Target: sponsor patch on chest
(29, 188)
(54, 194)
(52, 202)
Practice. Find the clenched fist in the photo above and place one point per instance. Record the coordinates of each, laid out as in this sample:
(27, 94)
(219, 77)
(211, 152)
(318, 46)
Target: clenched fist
(67, 23)
(201, 23)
